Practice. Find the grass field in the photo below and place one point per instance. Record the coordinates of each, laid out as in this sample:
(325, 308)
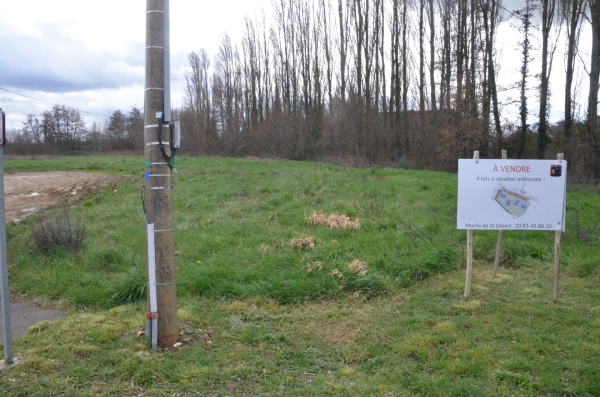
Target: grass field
(270, 304)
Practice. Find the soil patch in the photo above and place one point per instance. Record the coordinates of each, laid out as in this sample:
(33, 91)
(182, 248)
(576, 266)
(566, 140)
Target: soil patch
(27, 193)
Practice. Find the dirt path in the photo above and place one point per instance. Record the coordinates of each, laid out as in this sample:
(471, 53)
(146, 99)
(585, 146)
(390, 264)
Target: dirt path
(26, 193)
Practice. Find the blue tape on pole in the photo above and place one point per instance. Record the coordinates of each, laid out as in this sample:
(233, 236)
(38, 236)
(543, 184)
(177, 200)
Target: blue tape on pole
(147, 175)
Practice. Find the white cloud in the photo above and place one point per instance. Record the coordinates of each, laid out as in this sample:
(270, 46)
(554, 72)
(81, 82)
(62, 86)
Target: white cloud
(90, 55)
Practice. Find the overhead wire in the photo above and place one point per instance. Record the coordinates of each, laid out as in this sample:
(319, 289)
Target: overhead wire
(49, 103)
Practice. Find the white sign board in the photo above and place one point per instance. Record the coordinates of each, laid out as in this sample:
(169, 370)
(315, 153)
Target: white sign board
(511, 194)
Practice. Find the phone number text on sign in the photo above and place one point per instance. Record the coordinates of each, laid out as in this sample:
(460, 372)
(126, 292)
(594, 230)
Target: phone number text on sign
(506, 226)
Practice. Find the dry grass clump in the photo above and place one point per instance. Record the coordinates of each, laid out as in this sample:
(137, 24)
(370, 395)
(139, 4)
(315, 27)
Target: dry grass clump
(317, 219)
(335, 273)
(303, 243)
(265, 249)
(333, 221)
(357, 268)
(313, 267)
(342, 222)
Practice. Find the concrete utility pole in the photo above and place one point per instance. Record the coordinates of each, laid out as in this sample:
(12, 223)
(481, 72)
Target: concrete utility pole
(162, 300)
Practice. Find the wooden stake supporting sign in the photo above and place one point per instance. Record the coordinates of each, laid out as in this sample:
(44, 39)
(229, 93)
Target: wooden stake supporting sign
(469, 270)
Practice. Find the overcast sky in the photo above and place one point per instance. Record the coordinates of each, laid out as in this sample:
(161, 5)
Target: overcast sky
(89, 55)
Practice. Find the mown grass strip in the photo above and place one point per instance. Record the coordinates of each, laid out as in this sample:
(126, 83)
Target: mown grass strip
(425, 340)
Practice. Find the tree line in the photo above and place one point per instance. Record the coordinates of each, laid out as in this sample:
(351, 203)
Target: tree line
(62, 130)
(394, 82)
(409, 83)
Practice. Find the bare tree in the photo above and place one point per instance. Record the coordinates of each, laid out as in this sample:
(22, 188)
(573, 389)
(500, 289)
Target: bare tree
(421, 57)
(63, 128)
(473, 48)
(572, 13)
(432, 55)
(198, 101)
(404, 56)
(344, 27)
(135, 125)
(118, 131)
(32, 130)
(525, 15)
(359, 34)
(227, 96)
(383, 74)
(304, 45)
(267, 76)
(252, 74)
(464, 42)
(326, 16)
(395, 87)
(593, 135)
(58, 130)
(446, 8)
(490, 11)
(548, 9)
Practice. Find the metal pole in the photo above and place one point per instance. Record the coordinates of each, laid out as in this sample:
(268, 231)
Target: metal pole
(158, 183)
(4, 291)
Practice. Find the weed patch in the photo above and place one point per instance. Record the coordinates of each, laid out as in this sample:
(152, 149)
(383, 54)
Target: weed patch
(58, 231)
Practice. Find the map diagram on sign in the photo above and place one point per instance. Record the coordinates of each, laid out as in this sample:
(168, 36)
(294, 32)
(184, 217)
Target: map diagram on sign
(513, 202)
